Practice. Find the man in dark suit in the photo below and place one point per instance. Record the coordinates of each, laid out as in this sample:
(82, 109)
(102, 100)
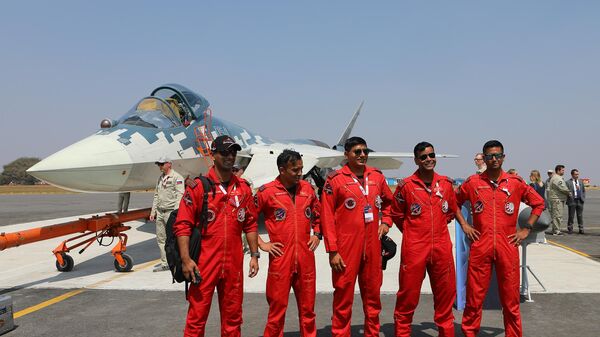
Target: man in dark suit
(575, 201)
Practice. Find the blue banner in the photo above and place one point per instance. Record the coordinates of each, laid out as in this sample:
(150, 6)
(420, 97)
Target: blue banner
(462, 244)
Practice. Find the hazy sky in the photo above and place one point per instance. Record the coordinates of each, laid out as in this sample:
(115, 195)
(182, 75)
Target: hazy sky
(453, 73)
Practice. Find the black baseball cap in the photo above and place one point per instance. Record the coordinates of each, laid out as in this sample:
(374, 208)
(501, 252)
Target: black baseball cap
(388, 250)
(224, 143)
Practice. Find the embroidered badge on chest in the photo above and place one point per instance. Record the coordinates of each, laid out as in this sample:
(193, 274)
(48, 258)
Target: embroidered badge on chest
(378, 202)
(509, 208)
(415, 209)
(279, 214)
(210, 216)
(308, 213)
(350, 203)
(241, 215)
(478, 207)
(445, 206)
(399, 198)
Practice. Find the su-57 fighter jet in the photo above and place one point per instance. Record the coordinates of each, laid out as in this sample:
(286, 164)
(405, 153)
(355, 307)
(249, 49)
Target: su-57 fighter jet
(176, 122)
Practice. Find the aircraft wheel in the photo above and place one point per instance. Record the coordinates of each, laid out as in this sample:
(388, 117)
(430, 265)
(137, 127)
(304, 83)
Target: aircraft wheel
(128, 264)
(67, 265)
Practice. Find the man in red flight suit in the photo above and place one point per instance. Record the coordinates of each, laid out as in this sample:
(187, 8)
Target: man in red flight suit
(423, 205)
(291, 210)
(355, 214)
(495, 197)
(230, 211)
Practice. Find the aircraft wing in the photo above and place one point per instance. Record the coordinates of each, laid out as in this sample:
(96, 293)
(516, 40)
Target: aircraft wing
(263, 166)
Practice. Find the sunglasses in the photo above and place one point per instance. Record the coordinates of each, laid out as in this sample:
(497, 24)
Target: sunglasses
(227, 153)
(357, 152)
(424, 156)
(491, 156)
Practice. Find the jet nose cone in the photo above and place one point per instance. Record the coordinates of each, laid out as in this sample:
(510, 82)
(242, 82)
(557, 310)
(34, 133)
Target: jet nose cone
(97, 163)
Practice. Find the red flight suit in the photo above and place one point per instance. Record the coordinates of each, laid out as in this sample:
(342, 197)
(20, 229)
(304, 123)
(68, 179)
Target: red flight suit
(346, 229)
(495, 209)
(289, 222)
(422, 214)
(230, 211)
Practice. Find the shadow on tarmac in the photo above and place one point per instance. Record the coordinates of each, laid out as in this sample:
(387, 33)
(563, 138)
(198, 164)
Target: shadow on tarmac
(424, 329)
(141, 252)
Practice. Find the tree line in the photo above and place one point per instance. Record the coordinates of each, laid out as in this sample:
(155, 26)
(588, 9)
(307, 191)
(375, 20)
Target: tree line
(14, 172)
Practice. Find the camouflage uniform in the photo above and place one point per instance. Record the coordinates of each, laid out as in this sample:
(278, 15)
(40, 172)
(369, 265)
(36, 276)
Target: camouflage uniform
(169, 190)
(557, 195)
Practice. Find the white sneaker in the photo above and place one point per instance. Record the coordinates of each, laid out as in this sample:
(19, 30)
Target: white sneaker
(160, 268)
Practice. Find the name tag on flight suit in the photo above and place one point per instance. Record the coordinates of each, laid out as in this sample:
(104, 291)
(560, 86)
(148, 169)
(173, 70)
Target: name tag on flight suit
(368, 213)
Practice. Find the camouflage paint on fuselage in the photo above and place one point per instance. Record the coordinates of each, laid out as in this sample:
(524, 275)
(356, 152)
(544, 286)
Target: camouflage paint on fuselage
(245, 138)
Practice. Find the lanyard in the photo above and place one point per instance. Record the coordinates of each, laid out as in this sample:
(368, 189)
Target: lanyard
(237, 200)
(364, 192)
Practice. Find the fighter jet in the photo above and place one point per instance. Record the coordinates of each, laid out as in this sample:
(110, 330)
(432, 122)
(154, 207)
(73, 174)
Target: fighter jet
(178, 123)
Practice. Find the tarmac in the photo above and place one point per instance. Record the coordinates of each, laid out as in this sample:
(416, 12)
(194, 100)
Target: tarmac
(93, 300)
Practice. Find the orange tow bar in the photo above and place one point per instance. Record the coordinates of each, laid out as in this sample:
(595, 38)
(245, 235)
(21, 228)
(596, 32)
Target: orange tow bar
(98, 227)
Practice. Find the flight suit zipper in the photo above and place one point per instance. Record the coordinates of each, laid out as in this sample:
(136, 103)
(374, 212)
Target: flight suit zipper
(494, 217)
(432, 229)
(224, 242)
(295, 231)
(366, 198)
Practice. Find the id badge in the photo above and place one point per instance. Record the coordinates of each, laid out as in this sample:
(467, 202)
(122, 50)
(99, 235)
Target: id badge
(368, 212)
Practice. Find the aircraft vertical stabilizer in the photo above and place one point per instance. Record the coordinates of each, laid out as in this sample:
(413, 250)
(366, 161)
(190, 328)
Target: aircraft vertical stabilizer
(349, 127)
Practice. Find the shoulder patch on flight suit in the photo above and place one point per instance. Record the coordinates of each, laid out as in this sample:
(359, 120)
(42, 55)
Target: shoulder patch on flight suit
(191, 182)
(332, 174)
(448, 179)
(401, 182)
(517, 178)
(246, 182)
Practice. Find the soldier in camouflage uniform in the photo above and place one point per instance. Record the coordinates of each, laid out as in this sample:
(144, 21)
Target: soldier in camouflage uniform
(557, 195)
(169, 190)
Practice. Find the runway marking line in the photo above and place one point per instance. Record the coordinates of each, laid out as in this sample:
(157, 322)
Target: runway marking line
(569, 249)
(72, 293)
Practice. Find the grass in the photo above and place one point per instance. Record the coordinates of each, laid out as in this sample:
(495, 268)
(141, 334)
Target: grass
(32, 189)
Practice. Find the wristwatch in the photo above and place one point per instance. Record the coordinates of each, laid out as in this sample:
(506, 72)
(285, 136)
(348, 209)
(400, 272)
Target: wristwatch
(255, 254)
(318, 235)
(528, 226)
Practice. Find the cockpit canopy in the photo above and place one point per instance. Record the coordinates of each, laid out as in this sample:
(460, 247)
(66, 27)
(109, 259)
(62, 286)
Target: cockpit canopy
(168, 106)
